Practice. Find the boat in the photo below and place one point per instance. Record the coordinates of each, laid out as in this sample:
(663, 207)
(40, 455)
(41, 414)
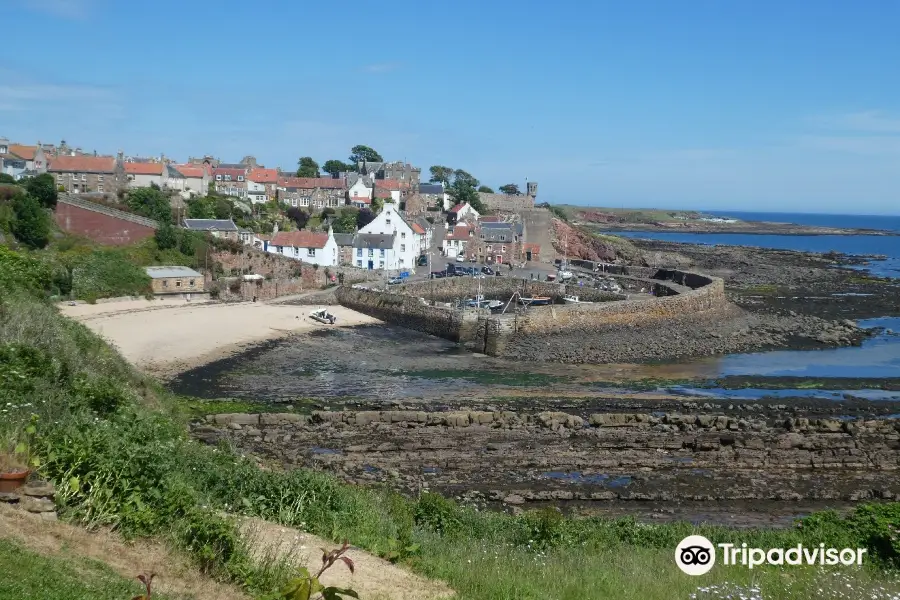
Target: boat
(322, 316)
(495, 305)
(536, 301)
(569, 299)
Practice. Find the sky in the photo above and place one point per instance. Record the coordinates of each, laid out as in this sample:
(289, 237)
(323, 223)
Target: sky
(761, 105)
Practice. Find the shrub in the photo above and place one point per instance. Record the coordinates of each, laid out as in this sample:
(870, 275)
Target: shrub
(437, 513)
(32, 223)
(19, 271)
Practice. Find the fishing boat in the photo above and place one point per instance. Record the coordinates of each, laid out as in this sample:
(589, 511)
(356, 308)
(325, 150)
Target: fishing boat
(322, 316)
(495, 305)
(569, 299)
(536, 301)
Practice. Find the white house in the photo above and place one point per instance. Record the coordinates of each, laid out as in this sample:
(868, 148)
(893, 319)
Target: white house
(194, 180)
(462, 212)
(256, 192)
(374, 251)
(19, 160)
(406, 241)
(143, 174)
(307, 246)
(360, 194)
(457, 239)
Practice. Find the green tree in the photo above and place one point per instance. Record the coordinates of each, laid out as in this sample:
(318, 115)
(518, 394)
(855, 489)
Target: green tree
(186, 242)
(150, 202)
(307, 167)
(7, 178)
(346, 223)
(464, 178)
(377, 205)
(510, 188)
(463, 191)
(166, 237)
(440, 174)
(223, 208)
(32, 223)
(333, 167)
(364, 217)
(299, 216)
(364, 153)
(201, 208)
(43, 189)
(485, 189)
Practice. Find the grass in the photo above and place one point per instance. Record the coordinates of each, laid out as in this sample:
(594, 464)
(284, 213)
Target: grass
(31, 576)
(115, 444)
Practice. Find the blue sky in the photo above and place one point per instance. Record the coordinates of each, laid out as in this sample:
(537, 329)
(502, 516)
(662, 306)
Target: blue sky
(743, 105)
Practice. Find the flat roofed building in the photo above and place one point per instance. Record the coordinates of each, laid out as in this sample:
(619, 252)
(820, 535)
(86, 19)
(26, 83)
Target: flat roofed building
(175, 280)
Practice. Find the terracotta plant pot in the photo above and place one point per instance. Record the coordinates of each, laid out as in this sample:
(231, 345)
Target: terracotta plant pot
(10, 482)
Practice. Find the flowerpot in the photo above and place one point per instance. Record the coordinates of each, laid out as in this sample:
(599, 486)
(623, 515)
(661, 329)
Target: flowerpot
(10, 482)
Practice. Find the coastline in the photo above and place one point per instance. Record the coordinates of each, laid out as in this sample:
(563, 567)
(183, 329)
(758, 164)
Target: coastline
(192, 335)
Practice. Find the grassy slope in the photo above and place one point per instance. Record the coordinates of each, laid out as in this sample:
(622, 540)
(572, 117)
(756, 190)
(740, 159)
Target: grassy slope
(109, 438)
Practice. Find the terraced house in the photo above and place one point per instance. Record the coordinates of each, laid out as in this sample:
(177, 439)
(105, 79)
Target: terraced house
(307, 246)
(262, 185)
(312, 192)
(231, 181)
(85, 174)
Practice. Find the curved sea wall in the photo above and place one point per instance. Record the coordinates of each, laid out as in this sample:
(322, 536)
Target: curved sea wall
(542, 332)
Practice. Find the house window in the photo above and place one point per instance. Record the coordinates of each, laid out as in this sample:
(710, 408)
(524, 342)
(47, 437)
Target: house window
(83, 177)
(371, 252)
(293, 202)
(240, 177)
(99, 177)
(502, 238)
(178, 283)
(482, 236)
(296, 251)
(402, 235)
(388, 221)
(218, 178)
(490, 248)
(380, 264)
(402, 247)
(382, 253)
(358, 263)
(99, 188)
(191, 283)
(503, 249)
(310, 251)
(359, 251)
(227, 177)
(165, 283)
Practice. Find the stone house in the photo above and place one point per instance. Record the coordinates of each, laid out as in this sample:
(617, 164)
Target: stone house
(375, 251)
(406, 249)
(220, 228)
(398, 170)
(498, 242)
(435, 195)
(344, 243)
(175, 280)
(231, 181)
(392, 187)
(457, 239)
(307, 246)
(143, 174)
(82, 174)
(312, 192)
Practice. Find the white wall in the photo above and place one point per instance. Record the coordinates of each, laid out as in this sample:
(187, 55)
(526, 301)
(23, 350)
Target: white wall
(406, 245)
(142, 181)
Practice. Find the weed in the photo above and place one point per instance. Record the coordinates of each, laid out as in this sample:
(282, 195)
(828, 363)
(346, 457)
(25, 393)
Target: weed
(307, 586)
(147, 580)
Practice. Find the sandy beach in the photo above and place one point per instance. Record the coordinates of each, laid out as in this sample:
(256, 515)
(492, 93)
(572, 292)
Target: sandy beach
(165, 339)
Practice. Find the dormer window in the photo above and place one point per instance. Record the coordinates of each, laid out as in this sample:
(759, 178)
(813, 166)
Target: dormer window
(227, 177)
(240, 177)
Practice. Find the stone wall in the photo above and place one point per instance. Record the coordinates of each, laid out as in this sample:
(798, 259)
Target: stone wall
(540, 332)
(101, 224)
(506, 201)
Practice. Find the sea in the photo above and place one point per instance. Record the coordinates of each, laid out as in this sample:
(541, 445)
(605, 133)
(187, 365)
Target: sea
(888, 246)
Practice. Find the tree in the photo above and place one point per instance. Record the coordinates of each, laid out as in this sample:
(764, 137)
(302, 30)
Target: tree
(166, 237)
(485, 189)
(465, 178)
(364, 217)
(223, 209)
(7, 178)
(43, 189)
(510, 188)
(364, 153)
(298, 216)
(440, 174)
(186, 243)
(377, 205)
(307, 167)
(333, 167)
(151, 203)
(201, 208)
(346, 223)
(32, 223)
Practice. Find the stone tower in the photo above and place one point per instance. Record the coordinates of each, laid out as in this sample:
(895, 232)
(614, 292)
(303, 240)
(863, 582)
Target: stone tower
(531, 188)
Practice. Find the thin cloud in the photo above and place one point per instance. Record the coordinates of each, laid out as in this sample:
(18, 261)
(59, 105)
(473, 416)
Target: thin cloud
(871, 145)
(869, 121)
(77, 10)
(381, 67)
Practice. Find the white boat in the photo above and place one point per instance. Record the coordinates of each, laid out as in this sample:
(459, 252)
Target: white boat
(495, 304)
(575, 300)
(322, 316)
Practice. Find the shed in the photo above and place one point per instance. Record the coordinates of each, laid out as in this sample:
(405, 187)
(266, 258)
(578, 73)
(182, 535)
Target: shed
(175, 280)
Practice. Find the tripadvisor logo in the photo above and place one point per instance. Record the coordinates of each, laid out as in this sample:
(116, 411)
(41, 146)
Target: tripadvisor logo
(696, 555)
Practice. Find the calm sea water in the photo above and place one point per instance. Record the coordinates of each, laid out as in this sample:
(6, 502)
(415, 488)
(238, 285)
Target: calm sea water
(888, 246)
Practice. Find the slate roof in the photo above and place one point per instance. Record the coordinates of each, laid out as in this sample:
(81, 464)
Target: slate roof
(376, 241)
(300, 239)
(83, 164)
(164, 272)
(210, 225)
(431, 188)
(344, 239)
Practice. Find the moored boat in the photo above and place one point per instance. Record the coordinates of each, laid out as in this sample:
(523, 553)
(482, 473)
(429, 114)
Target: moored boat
(535, 300)
(570, 299)
(322, 316)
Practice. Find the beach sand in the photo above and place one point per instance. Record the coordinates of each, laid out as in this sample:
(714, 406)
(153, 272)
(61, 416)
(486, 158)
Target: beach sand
(166, 339)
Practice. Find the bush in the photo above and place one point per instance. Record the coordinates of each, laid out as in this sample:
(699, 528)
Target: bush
(21, 272)
(109, 273)
(32, 223)
(166, 237)
(436, 513)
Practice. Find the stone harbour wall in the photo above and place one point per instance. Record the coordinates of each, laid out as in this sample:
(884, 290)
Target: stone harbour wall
(541, 332)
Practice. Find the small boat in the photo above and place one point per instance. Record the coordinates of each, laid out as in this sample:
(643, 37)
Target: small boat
(475, 302)
(496, 304)
(322, 316)
(536, 301)
(575, 300)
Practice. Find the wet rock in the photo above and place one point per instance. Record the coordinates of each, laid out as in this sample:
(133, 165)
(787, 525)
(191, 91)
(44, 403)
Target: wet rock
(514, 499)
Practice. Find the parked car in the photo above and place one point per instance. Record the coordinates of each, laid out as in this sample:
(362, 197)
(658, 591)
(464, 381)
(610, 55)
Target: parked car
(460, 258)
(394, 280)
(438, 274)
(487, 270)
